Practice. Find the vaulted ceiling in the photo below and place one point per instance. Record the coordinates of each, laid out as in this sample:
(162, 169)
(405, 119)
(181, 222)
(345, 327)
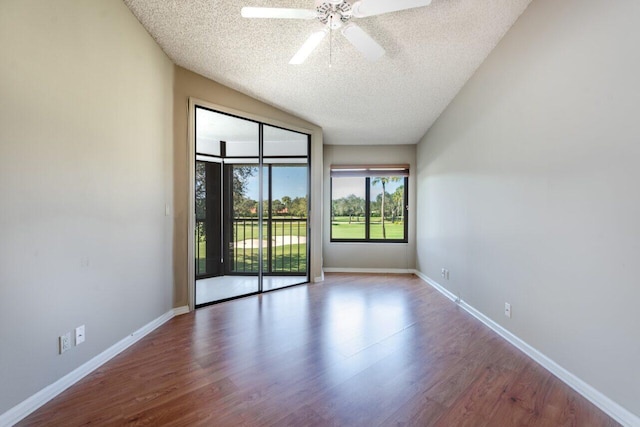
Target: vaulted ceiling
(430, 53)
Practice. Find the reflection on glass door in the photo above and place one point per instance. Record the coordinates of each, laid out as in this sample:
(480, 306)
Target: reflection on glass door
(247, 240)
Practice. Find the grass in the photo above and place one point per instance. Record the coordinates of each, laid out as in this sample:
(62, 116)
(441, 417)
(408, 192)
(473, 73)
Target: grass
(247, 260)
(249, 230)
(287, 259)
(341, 229)
(293, 258)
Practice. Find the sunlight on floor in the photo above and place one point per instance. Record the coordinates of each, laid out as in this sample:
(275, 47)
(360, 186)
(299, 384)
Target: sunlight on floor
(223, 287)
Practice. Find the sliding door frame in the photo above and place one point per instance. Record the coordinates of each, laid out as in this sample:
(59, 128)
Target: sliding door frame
(314, 214)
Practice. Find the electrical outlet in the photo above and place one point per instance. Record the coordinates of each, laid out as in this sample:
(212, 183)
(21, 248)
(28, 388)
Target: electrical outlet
(443, 273)
(65, 342)
(79, 335)
(507, 309)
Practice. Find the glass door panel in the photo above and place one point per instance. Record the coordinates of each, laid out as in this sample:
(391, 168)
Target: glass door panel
(289, 219)
(286, 164)
(285, 219)
(227, 197)
(208, 221)
(280, 142)
(267, 236)
(252, 204)
(243, 238)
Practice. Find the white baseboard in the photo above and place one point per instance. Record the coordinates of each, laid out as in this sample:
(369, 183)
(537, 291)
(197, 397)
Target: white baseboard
(179, 311)
(31, 404)
(611, 408)
(444, 291)
(319, 278)
(368, 270)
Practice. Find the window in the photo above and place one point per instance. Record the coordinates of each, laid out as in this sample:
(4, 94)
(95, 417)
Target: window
(369, 203)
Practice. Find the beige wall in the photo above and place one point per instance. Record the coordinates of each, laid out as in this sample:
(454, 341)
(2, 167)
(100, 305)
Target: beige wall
(85, 173)
(528, 189)
(188, 84)
(369, 255)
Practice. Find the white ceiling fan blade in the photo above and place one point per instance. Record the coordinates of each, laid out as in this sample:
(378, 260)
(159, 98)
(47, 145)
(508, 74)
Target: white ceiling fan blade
(364, 8)
(363, 42)
(277, 12)
(309, 46)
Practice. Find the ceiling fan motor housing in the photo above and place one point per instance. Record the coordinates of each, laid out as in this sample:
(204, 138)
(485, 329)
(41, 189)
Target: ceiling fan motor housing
(333, 13)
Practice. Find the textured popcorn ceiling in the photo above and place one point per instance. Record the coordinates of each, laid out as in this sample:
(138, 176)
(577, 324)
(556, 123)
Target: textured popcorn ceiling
(431, 53)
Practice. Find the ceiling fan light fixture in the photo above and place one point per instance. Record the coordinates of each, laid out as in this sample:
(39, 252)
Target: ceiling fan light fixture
(309, 46)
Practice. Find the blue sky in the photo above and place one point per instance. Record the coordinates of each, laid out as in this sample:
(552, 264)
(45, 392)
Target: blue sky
(343, 187)
(287, 181)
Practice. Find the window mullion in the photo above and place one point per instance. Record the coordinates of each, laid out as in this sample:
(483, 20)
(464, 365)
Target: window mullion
(367, 208)
(405, 208)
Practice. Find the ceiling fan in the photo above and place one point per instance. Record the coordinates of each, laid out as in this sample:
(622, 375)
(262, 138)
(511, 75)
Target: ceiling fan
(335, 14)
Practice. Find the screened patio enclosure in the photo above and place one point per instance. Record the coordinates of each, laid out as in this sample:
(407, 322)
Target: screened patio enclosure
(251, 207)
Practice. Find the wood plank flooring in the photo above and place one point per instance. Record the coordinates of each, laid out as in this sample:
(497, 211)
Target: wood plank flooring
(357, 350)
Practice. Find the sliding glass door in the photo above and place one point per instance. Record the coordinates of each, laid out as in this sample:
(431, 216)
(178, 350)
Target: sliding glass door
(252, 204)
(285, 160)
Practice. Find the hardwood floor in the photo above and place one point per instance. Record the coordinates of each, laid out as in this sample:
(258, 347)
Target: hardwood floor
(357, 350)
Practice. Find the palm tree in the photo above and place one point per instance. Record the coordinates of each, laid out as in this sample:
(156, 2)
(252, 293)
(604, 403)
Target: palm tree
(384, 180)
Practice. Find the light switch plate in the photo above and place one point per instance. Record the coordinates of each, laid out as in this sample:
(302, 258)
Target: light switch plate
(507, 309)
(79, 334)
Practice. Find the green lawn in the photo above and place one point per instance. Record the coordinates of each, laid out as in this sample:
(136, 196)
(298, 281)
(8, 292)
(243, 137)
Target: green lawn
(344, 230)
(287, 259)
(341, 229)
(249, 230)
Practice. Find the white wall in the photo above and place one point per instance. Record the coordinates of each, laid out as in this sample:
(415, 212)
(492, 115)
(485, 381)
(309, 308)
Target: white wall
(528, 189)
(85, 173)
(368, 255)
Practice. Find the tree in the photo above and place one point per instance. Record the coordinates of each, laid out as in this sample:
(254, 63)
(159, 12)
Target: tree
(383, 181)
(397, 199)
(286, 200)
(350, 206)
(299, 207)
(245, 207)
(277, 206)
(200, 190)
(354, 205)
(200, 201)
(241, 175)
